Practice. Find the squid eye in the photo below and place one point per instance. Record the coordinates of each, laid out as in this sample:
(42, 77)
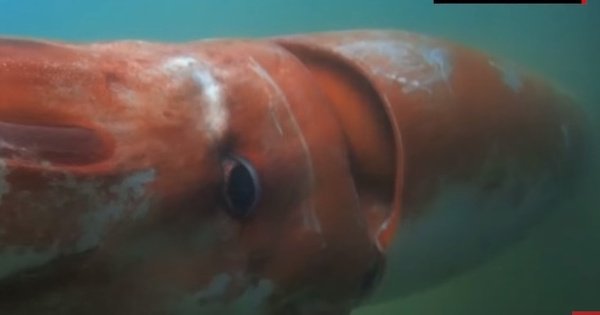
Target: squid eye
(242, 187)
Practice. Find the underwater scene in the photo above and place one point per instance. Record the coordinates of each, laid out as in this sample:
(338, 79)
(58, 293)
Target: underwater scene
(299, 157)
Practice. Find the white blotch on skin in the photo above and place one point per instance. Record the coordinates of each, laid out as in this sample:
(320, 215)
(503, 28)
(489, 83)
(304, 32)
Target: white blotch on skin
(215, 113)
(217, 288)
(250, 302)
(16, 259)
(439, 59)
(177, 64)
(20, 152)
(128, 194)
(510, 76)
(414, 67)
(4, 186)
(125, 95)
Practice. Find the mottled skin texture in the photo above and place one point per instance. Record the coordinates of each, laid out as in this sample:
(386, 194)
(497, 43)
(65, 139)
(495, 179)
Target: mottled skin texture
(115, 157)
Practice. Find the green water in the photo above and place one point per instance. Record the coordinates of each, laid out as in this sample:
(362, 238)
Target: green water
(556, 269)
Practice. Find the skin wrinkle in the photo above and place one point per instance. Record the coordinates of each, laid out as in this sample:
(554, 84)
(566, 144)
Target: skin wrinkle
(310, 217)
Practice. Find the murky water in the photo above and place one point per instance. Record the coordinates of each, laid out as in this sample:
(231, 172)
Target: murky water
(553, 271)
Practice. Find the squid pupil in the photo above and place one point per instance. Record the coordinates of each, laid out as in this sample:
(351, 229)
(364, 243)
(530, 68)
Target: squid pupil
(241, 188)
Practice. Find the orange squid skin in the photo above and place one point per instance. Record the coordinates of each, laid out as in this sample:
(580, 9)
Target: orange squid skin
(113, 161)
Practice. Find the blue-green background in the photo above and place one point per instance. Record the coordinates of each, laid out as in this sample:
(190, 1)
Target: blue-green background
(555, 270)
